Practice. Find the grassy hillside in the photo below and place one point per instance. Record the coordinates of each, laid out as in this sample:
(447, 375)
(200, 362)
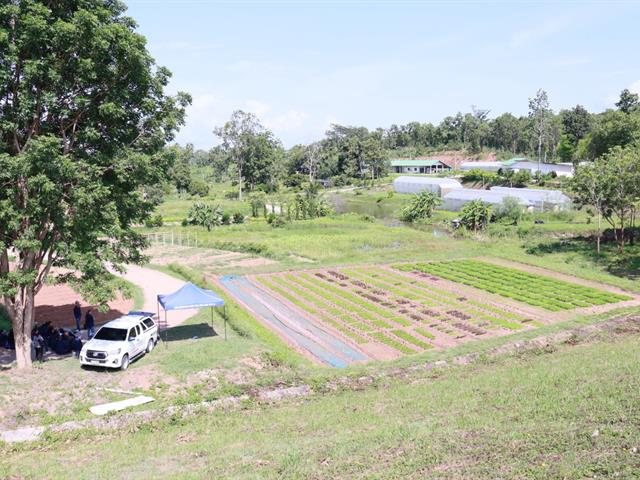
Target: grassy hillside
(559, 412)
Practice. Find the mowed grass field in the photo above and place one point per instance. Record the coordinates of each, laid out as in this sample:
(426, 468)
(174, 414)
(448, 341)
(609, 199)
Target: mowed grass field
(561, 412)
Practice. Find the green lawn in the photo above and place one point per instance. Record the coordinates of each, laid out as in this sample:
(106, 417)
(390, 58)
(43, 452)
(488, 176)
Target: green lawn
(568, 412)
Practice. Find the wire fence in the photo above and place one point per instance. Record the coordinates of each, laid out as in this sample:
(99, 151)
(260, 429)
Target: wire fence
(173, 238)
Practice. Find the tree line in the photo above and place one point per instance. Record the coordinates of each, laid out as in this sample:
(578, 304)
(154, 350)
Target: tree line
(252, 157)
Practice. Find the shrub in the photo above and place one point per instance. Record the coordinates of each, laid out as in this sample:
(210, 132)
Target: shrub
(198, 188)
(154, 221)
(475, 215)
(226, 218)
(204, 215)
(238, 217)
(420, 208)
(509, 211)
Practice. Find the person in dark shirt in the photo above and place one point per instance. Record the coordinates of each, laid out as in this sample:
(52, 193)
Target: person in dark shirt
(77, 314)
(76, 345)
(89, 324)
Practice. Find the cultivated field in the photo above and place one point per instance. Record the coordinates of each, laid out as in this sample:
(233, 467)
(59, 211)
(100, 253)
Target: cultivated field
(389, 311)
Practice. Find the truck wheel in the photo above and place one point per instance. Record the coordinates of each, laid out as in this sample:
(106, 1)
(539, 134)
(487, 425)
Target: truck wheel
(150, 345)
(125, 362)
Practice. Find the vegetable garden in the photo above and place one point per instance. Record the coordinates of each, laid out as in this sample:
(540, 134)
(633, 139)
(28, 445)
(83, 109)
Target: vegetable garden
(537, 290)
(410, 308)
(374, 306)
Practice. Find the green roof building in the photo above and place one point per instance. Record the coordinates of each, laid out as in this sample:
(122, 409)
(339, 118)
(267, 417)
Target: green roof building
(427, 165)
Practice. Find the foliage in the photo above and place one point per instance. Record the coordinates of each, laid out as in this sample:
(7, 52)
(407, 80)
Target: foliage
(508, 211)
(251, 150)
(258, 202)
(611, 185)
(154, 221)
(205, 215)
(533, 289)
(629, 101)
(541, 115)
(475, 215)
(276, 221)
(84, 118)
(238, 217)
(198, 188)
(613, 128)
(421, 207)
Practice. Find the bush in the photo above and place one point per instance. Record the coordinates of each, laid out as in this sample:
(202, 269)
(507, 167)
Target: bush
(509, 211)
(238, 217)
(475, 215)
(204, 215)
(154, 221)
(276, 221)
(420, 208)
(198, 188)
(226, 218)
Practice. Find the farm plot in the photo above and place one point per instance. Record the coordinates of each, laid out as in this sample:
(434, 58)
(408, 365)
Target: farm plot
(388, 313)
(533, 289)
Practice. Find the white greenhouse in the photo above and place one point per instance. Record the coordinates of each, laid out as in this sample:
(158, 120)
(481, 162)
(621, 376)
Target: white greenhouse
(539, 198)
(457, 199)
(435, 185)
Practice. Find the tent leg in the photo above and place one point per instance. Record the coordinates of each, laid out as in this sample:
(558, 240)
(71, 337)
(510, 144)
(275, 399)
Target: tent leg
(165, 330)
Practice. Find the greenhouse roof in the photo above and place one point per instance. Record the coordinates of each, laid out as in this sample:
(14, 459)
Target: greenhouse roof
(534, 194)
(427, 180)
(405, 162)
(487, 196)
(513, 160)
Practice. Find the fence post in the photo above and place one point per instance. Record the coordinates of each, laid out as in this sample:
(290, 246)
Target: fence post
(172, 238)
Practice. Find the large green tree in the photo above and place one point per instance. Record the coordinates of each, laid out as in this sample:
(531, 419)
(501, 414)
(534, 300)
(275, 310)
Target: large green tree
(251, 150)
(83, 118)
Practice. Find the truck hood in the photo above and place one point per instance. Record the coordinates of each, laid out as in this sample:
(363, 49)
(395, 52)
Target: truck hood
(103, 345)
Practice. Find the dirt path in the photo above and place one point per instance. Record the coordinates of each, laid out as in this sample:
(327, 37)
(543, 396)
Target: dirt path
(153, 283)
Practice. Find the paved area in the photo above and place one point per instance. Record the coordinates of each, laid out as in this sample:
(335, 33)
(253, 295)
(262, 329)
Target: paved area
(154, 283)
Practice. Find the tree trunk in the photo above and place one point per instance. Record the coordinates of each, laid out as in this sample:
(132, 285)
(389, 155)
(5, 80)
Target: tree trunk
(599, 233)
(240, 185)
(22, 322)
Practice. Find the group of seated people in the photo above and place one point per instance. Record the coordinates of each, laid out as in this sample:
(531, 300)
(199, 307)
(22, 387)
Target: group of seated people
(58, 340)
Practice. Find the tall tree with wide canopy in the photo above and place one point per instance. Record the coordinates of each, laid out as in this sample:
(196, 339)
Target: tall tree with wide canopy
(83, 118)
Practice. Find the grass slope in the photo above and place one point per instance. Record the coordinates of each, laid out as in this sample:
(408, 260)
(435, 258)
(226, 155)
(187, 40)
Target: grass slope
(568, 413)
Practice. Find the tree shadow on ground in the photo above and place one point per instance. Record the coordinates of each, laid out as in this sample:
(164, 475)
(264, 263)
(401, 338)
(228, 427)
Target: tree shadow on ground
(62, 315)
(624, 265)
(186, 332)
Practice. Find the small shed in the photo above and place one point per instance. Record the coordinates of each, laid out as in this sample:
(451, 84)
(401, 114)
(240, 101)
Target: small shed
(435, 185)
(457, 199)
(426, 165)
(541, 199)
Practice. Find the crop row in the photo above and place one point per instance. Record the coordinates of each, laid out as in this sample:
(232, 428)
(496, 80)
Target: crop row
(435, 296)
(533, 289)
(315, 295)
(314, 311)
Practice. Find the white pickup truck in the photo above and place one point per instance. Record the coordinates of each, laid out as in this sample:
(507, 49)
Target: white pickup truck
(120, 341)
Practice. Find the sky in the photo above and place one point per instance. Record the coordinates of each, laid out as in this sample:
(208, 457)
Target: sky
(302, 65)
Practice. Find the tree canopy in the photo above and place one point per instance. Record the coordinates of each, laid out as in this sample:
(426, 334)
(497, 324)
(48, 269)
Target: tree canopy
(83, 120)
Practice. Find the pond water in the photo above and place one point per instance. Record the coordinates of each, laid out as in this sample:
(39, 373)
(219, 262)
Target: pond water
(382, 210)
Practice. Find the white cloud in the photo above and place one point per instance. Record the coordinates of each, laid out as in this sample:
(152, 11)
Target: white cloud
(257, 107)
(291, 120)
(635, 87)
(539, 32)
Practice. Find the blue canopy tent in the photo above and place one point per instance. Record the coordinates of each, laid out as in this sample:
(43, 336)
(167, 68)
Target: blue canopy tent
(190, 296)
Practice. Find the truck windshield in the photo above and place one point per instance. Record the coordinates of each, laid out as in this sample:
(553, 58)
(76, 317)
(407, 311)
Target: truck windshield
(112, 334)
